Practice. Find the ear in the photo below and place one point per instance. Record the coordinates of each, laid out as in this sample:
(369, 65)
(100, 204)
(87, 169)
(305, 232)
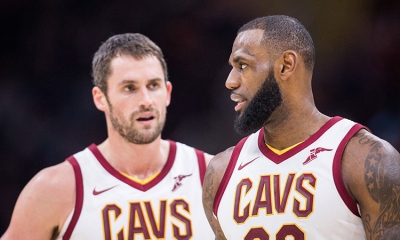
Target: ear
(99, 99)
(288, 64)
(169, 90)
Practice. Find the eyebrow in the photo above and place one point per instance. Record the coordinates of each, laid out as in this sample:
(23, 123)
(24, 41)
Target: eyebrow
(235, 59)
(238, 59)
(155, 80)
(131, 81)
(127, 81)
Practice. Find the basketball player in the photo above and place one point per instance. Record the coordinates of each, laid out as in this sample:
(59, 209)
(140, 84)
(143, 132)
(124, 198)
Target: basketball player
(299, 174)
(134, 185)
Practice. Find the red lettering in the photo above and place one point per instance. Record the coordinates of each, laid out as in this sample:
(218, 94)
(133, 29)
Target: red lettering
(290, 230)
(266, 191)
(263, 192)
(280, 204)
(188, 227)
(159, 231)
(134, 228)
(257, 233)
(153, 226)
(245, 183)
(303, 191)
(106, 221)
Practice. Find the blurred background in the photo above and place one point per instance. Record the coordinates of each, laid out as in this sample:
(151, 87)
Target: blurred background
(46, 49)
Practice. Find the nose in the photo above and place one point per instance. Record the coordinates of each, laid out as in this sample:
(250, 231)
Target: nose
(232, 82)
(145, 99)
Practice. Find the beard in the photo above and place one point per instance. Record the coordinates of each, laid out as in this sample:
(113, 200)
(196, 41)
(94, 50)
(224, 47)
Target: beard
(260, 108)
(127, 129)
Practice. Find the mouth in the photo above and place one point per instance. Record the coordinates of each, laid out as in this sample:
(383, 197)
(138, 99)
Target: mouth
(145, 118)
(240, 101)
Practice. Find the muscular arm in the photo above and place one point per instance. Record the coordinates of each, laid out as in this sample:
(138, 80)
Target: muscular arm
(43, 205)
(371, 169)
(212, 180)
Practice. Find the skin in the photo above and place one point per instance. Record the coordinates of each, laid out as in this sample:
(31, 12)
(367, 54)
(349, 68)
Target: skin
(133, 85)
(370, 165)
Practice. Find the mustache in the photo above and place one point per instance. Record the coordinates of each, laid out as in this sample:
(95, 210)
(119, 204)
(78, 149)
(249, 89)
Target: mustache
(144, 109)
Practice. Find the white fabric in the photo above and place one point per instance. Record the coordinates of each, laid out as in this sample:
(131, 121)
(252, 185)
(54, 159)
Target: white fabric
(128, 208)
(327, 216)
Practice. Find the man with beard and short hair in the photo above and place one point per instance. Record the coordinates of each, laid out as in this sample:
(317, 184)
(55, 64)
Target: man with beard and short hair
(134, 185)
(298, 173)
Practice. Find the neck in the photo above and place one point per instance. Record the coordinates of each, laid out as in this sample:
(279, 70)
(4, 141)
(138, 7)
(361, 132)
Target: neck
(136, 160)
(284, 128)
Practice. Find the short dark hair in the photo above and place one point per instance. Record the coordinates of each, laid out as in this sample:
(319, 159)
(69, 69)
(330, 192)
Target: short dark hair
(132, 44)
(283, 33)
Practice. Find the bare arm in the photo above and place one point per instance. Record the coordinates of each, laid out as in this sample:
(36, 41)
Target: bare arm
(371, 169)
(212, 180)
(43, 205)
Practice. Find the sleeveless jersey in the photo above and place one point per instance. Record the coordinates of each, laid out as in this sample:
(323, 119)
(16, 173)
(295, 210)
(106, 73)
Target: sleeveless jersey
(111, 206)
(297, 195)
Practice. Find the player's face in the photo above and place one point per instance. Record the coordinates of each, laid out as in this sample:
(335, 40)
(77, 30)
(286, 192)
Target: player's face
(138, 97)
(252, 82)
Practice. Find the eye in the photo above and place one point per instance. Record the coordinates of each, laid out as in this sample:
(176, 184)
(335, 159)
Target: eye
(129, 88)
(242, 66)
(154, 85)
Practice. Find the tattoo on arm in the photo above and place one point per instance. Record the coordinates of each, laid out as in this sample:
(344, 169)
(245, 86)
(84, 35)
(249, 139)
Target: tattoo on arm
(382, 178)
(210, 187)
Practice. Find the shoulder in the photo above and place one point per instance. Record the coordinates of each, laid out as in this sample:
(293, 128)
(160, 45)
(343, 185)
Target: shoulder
(53, 178)
(52, 188)
(214, 173)
(363, 141)
(364, 149)
(366, 156)
(220, 161)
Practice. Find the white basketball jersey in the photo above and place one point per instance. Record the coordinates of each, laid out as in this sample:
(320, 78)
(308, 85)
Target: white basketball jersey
(297, 195)
(111, 206)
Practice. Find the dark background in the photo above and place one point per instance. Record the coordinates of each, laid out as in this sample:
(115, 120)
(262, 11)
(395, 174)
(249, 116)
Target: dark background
(46, 48)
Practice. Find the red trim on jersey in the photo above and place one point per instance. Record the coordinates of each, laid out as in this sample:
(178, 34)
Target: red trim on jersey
(202, 164)
(138, 186)
(78, 198)
(280, 158)
(337, 171)
(227, 175)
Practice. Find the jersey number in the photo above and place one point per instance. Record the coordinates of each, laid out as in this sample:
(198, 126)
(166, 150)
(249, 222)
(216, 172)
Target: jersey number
(285, 231)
